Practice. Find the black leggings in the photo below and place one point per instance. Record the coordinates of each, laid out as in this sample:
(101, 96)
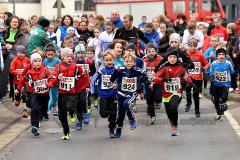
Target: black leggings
(220, 96)
(81, 104)
(172, 111)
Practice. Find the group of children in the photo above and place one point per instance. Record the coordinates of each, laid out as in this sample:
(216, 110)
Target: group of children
(116, 82)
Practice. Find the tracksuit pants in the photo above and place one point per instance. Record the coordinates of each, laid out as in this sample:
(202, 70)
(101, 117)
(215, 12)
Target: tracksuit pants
(81, 104)
(53, 97)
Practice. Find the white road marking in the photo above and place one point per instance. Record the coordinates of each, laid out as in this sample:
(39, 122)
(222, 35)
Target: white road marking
(233, 122)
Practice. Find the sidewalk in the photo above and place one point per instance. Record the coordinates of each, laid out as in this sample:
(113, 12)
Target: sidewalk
(11, 123)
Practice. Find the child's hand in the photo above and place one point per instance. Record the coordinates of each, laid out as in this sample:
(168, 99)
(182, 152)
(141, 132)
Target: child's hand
(151, 86)
(211, 54)
(114, 86)
(87, 90)
(60, 76)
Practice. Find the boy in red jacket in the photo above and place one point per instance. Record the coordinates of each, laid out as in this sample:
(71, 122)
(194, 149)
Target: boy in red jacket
(172, 77)
(196, 74)
(38, 78)
(17, 66)
(66, 74)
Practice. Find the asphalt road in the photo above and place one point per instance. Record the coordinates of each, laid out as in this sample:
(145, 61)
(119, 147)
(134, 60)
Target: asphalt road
(200, 139)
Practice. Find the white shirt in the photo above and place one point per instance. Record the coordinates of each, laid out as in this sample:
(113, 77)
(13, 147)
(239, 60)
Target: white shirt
(198, 35)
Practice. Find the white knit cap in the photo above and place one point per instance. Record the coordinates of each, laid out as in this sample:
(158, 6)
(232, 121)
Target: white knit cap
(174, 37)
(35, 56)
(65, 52)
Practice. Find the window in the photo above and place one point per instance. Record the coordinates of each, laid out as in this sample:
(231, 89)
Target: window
(225, 9)
(89, 5)
(193, 6)
(233, 11)
(206, 5)
(78, 5)
(179, 7)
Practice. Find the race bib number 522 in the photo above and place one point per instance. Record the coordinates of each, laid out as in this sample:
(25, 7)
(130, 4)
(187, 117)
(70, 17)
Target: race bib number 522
(67, 83)
(129, 84)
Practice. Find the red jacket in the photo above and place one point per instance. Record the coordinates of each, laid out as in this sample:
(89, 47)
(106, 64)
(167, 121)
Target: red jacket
(66, 77)
(83, 81)
(38, 80)
(199, 61)
(206, 43)
(221, 32)
(176, 73)
(17, 67)
(151, 65)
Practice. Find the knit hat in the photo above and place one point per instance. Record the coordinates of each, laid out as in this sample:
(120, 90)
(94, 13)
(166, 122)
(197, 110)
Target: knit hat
(193, 41)
(151, 45)
(131, 46)
(174, 37)
(221, 50)
(80, 48)
(70, 28)
(172, 51)
(21, 49)
(65, 52)
(44, 22)
(35, 56)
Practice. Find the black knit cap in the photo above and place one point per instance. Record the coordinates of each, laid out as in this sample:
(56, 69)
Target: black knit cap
(131, 46)
(221, 50)
(151, 45)
(44, 22)
(172, 51)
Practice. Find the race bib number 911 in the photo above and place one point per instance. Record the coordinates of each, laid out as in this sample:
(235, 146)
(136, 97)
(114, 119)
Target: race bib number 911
(173, 86)
(67, 83)
(106, 83)
(221, 76)
(40, 86)
(129, 84)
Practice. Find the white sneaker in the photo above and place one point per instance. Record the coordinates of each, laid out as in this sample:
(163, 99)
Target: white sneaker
(231, 90)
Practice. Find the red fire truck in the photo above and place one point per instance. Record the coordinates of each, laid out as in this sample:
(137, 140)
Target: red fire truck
(201, 10)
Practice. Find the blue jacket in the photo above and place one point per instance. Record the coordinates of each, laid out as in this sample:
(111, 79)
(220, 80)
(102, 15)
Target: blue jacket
(129, 80)
(118, 23)
(207, 56)
(153, 37)
(51, 63)
(105, 89)
(221, 73)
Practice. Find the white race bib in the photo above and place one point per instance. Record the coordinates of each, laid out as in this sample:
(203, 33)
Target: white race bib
(173, 86)
(129, 84)
(106, 83)
(40, 86)
(67, 83)
(18, 76)
(197, 68)
(85, 68)
(221, 76)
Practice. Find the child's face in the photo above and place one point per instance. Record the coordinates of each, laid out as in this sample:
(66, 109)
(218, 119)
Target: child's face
(203, 29)
(81, 55)
(68, 59)
(174, 44)
(70, 33)
(192, 48)
(221, 57)
(131, 51)
(20, 55)
(96, 32)
(108, 60)
(172, 59)
(129, 62)
(149, 30)
(151, 52)
(37, 63)
(90, 55)
(50, 54)
(214, 42)
(68, 44)
(118, 50)
(109, 29)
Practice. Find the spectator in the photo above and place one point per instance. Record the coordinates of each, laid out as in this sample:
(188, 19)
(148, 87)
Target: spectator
(116, 20)
(83, 32)
(156, 24)
(99, 21)
(84, 18)
(90, 29)
(181, 24)
(151, 35)
(219, 30)
(34, 21)
(76, 22)
(70, 33)
(164, 41)
(202, 27)
(52, 35)
(143, 23)
(107, 36)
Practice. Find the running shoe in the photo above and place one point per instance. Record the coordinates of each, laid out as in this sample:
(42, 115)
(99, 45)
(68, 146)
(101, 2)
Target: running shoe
(133, 125)
(86, 118)
(218, 118)
(237, 91)
(111, 133)
(174, 132)
(73, 119)
(118, 132)
(79, 126)
(66, 136)
(197, 114)
(35, 131)
(200, 95)
(187, 108)
(153, 120)
(25, 114)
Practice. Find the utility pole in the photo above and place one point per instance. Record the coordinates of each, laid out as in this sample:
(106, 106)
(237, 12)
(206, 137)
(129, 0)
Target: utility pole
(59, 8)
(14, 7)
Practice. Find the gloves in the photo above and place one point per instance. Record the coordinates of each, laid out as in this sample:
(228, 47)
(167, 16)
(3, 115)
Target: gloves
(166, 79)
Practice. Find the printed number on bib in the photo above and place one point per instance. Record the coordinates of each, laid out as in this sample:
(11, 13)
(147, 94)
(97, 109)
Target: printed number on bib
(40, 86)
(67, 83)
(106, 83)
(129, 84)
(197, 68)
(85, 68)
(173, 86)
(221, 76)
(18, 76)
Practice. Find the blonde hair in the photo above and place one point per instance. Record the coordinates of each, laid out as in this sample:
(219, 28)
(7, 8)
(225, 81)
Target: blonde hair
(129, 55)
(232, 26)
(109, 52)
(214, 37)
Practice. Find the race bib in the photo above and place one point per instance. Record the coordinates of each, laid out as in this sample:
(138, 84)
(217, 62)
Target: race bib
(40, 86)
(18, 76)
(150, 74)
(67, 83)
(197, 68)
(173, 86)
(129, 84)
(85, 68)
(106, 83)
(221, 76)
